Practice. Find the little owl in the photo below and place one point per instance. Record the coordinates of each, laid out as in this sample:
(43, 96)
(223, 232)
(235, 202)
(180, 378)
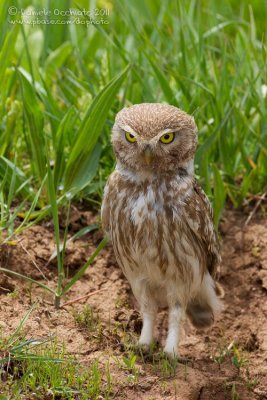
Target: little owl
(160, 221)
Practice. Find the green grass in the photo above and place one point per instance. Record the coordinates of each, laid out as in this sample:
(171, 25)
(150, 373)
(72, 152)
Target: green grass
(88, 321)
(41, 368)
(49, 371)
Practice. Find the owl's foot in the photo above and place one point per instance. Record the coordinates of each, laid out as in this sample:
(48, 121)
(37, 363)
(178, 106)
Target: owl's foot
(170, 351)
(141, 348)
(145, 341)
(176, 359)
(145, 352)
(172, 341)
(145, 348)
(146, 337)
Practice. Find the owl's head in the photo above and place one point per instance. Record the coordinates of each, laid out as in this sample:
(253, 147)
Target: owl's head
(154, 137)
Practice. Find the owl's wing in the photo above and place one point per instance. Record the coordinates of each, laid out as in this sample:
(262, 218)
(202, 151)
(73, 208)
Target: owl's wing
(199, 219)
(105, 207)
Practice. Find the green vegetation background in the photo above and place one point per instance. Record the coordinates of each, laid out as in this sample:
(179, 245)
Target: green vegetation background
(62, 84)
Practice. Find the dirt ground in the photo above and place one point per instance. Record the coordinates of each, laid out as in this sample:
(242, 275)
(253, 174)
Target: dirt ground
(237, 339)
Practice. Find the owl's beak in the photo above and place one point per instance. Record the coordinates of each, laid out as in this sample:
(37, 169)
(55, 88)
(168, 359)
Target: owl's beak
(148, 154)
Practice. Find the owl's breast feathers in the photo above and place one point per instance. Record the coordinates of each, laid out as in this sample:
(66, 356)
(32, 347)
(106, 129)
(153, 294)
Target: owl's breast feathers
(162, 222)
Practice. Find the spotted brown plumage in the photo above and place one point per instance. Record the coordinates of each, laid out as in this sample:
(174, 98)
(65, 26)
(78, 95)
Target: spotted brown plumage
(159, 219)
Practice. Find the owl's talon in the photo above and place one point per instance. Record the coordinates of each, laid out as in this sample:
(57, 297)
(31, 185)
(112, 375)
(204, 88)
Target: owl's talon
(138, 347)
(143, 349)
(130, 346)
(171, 354)
(184, 360)
(146, 349)
(176, 358)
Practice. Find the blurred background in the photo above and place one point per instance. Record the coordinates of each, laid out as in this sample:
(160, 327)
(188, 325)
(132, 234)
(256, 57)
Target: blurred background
(67, 67)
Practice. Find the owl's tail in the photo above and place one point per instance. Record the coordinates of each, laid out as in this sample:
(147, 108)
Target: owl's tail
(203, 308)
(219, 290)
(200, 315)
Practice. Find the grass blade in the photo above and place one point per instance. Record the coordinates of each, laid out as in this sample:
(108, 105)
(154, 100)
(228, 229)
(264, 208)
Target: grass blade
(164, 84)
(54, 211)
(82, 270)
(27, 278)
(7, 50)
(219, 195)
(36, 121)
(89, 132)
(9, 169)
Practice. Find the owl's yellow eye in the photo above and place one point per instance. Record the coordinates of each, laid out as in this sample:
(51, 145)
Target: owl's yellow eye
(167, 138)
(131, 138)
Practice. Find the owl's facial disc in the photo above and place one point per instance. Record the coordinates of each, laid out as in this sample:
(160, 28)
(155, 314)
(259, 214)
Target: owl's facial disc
(155, 138)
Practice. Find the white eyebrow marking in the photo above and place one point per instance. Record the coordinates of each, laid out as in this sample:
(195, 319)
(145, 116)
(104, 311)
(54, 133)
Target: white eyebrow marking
(127, 128)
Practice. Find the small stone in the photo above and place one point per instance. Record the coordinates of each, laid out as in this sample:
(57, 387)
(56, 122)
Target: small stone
(3, 324)
(146, 386)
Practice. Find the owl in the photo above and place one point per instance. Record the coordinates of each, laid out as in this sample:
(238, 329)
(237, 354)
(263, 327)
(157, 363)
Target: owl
(160, 221)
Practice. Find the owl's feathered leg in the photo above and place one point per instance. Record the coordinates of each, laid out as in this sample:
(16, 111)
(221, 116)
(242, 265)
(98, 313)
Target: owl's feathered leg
(148, 309)
(146, 337)
(172, 341)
